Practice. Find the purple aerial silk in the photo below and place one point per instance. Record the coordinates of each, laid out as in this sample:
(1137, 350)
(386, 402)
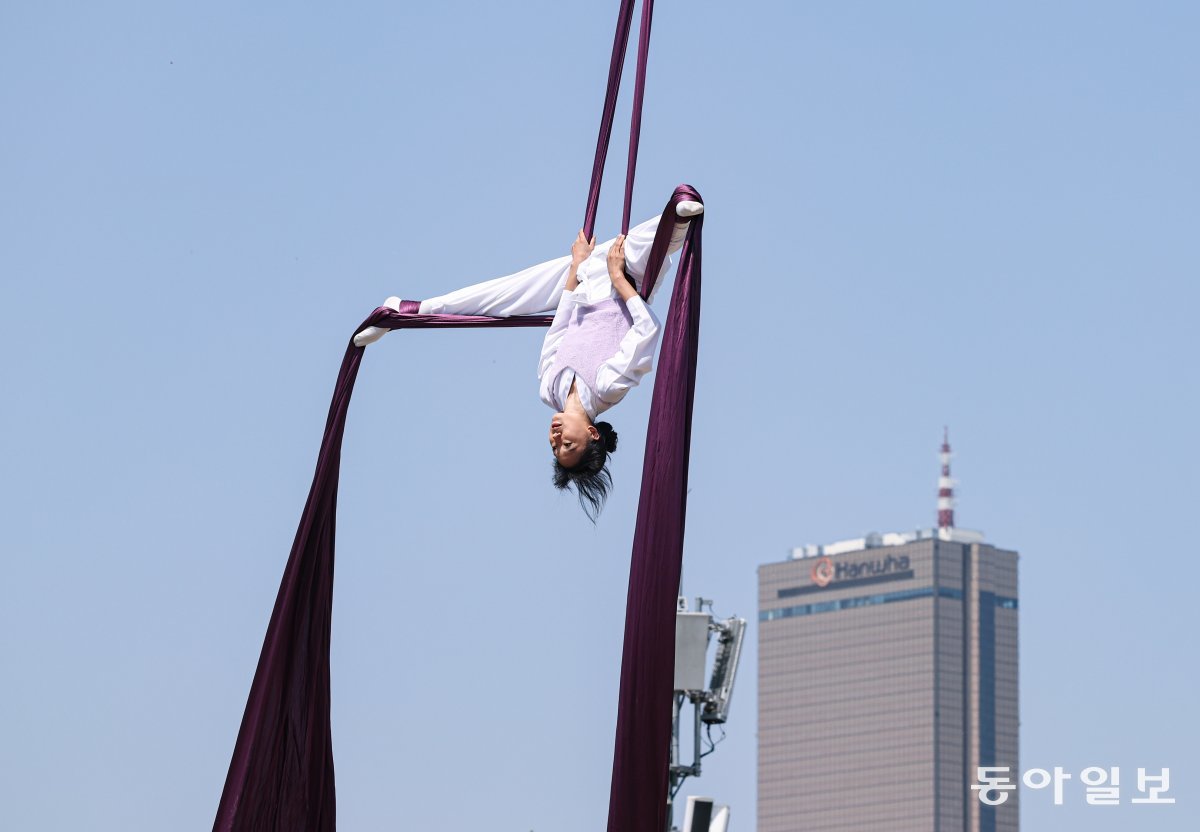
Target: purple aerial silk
(638, 797)
(281, 774)
(615, 67)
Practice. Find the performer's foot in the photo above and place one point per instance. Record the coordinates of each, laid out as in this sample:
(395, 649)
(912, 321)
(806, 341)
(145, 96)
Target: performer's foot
(373, 333)
(684, 211)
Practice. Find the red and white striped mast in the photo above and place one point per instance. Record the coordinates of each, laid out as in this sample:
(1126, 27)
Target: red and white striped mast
(945, 486)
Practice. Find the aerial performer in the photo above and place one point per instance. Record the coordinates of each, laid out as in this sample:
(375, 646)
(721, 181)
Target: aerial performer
(601, 342)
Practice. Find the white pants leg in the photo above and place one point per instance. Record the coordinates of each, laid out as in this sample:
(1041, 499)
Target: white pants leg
(537, 289)
(593, 274)
(531, 291)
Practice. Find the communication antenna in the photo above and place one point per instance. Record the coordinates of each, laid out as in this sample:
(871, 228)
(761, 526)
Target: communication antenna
(710, 704)
(945, 486)
(720, 687)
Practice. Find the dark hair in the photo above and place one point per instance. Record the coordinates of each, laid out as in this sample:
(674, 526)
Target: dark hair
(590, 475)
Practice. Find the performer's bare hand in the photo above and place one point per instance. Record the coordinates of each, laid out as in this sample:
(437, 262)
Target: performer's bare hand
(616, 270)
(616, 259)
(581, 249)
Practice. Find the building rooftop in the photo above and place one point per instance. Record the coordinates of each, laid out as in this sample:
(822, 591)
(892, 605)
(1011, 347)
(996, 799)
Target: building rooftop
(875, 540)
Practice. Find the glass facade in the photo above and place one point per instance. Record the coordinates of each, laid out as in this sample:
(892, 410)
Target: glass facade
(860, 601)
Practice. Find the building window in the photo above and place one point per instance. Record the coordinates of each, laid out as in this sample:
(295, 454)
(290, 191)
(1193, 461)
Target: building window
(860, 601)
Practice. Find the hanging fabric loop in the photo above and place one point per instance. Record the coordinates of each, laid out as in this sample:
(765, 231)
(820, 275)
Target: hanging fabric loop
(615, 69)
(616, 65)
(635, 121)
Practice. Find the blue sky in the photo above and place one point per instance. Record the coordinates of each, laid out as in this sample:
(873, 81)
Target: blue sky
(918, 214)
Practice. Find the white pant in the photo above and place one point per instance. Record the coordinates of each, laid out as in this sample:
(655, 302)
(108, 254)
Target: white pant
(537, 289)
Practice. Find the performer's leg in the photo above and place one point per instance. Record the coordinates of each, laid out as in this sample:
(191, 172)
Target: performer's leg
(640, 240)
(537, 289)
(371, 334)
(532, 291)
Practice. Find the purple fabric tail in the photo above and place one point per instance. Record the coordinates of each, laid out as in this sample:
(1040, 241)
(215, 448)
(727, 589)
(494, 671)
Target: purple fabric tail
(638, 795)
(281, 775)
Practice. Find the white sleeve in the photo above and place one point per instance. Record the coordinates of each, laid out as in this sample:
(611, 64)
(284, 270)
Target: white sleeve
(635, 357)
(546, 393)
(554, 335)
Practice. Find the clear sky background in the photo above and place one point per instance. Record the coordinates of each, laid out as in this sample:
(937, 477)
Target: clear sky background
(919, 214)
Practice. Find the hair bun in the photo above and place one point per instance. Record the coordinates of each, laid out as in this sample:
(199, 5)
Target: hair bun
(607, 435)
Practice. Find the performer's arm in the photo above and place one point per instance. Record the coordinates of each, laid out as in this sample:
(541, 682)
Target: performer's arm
(616, 270)
(554, 335)
(634, 358)
(581, 250)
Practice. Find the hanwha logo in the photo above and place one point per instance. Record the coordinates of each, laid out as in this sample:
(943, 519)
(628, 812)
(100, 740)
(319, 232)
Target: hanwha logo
(822, 572)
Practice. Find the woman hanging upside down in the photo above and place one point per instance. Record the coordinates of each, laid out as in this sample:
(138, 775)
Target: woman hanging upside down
(601, 343)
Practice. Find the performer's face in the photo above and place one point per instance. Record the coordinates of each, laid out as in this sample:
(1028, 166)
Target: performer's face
(570, 434)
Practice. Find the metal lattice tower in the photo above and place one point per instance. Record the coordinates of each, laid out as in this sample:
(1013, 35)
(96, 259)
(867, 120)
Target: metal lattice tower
(945, 486)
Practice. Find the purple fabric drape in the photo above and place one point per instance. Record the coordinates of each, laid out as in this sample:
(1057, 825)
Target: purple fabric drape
(638, 796)
(281, 774)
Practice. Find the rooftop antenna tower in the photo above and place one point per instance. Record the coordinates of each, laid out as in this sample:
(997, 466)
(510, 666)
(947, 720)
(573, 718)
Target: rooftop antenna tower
(945, 486)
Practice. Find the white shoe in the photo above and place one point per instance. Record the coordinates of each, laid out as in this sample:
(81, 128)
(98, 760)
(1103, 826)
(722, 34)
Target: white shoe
(684, 211)
(373, 333)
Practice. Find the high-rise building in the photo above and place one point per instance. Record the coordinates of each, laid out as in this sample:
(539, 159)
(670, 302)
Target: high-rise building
(887, 674)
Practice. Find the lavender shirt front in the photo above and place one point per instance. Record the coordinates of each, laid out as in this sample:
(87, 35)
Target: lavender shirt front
(608, 346)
